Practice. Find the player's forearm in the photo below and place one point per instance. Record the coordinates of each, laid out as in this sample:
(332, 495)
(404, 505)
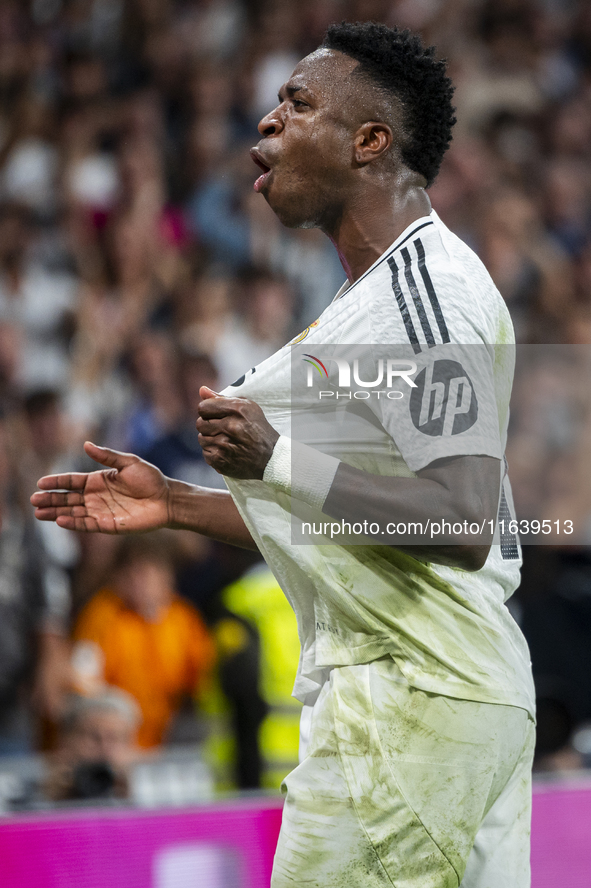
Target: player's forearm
(458, 490)
(209, 512)
(357, 496)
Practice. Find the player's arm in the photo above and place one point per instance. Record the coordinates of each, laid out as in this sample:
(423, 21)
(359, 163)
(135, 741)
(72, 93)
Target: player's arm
(462, 490)
(238, 441)
(133, 496)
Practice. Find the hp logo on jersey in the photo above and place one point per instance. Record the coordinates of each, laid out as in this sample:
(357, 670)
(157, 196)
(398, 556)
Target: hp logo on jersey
(444, 402)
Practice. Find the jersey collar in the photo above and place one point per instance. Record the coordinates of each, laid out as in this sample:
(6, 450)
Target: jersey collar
(408, 232)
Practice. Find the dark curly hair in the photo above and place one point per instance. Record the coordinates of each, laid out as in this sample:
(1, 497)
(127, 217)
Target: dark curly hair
(397, 62)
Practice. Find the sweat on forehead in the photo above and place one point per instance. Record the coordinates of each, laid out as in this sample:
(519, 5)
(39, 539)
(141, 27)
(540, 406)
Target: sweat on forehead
(334, 75)
(321, 70)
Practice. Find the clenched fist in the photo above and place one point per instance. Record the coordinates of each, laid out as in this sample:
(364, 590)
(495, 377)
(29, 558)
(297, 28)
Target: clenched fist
(236, 438)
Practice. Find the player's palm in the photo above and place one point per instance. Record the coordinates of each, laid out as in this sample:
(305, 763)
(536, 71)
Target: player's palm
(130, 495)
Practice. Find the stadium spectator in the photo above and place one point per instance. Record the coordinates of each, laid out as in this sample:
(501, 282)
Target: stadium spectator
(96, 746)
(178, 453)
(38, 300)
(51, 443)
(156, 404)
(34, 606)
(144, 638)
(254, 740)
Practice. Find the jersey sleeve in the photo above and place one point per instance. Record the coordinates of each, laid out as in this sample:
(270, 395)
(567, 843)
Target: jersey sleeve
(444, 405)
(433, 321)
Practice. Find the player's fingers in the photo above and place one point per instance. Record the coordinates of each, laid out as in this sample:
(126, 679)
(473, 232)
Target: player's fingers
(217, 408)
(217, 457)
(83, 525)
(206, 392)
(45, 514)
(213, 442)
(211, 427)
(114, 459)
(50, 513)
(45, 498)
(66, 521)
(67, 481)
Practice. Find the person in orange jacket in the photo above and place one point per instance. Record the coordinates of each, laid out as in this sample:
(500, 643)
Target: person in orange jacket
(139, 635)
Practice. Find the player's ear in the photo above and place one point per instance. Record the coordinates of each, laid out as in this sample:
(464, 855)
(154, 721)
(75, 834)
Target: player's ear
(372, 140)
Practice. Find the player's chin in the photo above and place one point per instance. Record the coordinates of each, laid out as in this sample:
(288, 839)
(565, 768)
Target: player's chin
(291, 212)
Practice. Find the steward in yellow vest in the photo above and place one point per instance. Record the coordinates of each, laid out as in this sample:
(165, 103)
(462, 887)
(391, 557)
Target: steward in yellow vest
(255, 606)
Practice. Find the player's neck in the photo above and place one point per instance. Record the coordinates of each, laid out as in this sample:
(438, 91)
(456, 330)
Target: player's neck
(373, 221)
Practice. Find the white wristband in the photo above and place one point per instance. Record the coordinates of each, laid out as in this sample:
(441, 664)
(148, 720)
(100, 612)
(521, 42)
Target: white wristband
(301, 471)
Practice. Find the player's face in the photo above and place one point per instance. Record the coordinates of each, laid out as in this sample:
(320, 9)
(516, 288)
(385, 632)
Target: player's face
(306, 151)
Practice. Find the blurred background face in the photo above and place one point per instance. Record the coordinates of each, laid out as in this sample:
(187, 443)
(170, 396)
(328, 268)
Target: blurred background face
(152, 360)
(14, 237)
(101, 735)
(145, 586)
(196, 372)
(270, 307)
(45, 418)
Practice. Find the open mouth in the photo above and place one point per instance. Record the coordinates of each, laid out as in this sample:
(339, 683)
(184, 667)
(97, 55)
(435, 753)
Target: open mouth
(260, 182)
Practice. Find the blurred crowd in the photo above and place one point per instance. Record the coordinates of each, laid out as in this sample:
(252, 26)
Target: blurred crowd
(137, 264)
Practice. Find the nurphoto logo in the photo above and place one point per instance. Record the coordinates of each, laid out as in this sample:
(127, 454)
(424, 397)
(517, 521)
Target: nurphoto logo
(387, 372)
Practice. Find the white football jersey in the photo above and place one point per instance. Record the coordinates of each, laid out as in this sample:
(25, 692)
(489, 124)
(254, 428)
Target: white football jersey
(448, 630)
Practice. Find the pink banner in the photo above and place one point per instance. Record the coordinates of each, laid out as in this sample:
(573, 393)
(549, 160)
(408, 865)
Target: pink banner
(231, 845)
(561, 836)
(217, 846)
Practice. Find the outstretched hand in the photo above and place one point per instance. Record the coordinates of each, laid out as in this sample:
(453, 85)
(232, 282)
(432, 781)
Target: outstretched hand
(129, 496)
(235, 436)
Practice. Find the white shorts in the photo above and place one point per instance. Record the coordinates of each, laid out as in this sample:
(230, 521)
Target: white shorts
(403, 788)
